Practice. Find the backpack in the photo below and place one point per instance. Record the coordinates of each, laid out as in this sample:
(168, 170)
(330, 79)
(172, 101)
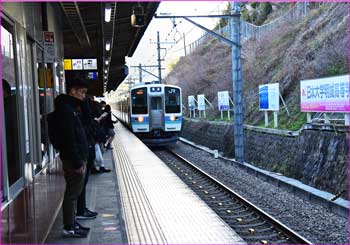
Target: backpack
(98, 132)
(55, 134)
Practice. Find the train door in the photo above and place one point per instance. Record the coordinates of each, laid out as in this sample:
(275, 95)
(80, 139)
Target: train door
(156, 113)
(12, 169)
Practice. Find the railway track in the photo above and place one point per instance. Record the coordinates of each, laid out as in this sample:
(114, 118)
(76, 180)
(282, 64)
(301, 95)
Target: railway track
(251, 223)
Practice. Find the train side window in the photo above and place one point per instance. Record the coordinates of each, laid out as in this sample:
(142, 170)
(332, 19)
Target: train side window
(172, 100)
(139, 101)
(10, 103)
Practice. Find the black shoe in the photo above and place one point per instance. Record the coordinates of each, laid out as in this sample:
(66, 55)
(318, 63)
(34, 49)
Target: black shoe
(74, 233)
(108, 146)
(80, 227)
(95, 171)
(86, 215)
(91, 212)
(104, 170)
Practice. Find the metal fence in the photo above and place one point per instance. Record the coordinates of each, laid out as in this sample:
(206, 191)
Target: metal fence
(248, 30)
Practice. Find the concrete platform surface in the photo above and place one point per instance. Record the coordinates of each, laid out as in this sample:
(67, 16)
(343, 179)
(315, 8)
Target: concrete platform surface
(102, 197)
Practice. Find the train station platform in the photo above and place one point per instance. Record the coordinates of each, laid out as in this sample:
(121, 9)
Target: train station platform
(102, 197)
(143, 202)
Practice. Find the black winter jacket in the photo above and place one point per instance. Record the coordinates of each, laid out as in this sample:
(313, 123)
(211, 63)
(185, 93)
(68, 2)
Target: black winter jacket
(75, 149)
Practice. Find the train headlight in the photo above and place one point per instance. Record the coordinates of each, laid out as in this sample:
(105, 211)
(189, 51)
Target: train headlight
(172, 118)
(140, 119)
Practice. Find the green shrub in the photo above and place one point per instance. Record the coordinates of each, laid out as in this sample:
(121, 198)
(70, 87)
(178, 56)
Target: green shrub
(338, 68)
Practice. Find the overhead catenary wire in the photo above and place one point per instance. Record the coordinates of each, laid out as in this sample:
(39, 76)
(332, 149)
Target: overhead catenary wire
(216, 9)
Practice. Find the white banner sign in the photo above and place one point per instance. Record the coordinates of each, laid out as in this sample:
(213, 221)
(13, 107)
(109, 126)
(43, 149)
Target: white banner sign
(325, 94)
(269, 99)
(223, 101)
(191, 103)
(201, 102)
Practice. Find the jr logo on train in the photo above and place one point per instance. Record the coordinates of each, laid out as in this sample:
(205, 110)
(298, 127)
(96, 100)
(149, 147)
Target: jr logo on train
(153, 112)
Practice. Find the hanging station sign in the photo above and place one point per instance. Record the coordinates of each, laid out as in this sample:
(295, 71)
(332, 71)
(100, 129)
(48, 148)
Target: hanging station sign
(80, 64)
(49, 47)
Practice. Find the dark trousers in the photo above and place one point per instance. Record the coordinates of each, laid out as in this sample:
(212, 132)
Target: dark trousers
(82, 197)
(81, 205)
(74, 186)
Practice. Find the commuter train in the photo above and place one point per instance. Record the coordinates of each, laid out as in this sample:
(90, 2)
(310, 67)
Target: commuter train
(153, 112)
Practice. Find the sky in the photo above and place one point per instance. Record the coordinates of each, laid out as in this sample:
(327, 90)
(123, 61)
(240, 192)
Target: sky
(146, 52)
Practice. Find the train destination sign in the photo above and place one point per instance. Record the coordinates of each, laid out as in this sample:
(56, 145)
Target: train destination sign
(269, 97)
(330, 94)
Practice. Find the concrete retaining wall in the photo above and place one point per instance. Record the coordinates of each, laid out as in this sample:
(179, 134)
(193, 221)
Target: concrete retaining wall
(315, 156)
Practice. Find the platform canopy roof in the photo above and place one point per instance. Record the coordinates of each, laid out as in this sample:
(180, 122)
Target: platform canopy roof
(86, 34)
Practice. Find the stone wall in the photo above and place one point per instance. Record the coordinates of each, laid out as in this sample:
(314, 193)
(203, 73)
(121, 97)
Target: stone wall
(316, 157)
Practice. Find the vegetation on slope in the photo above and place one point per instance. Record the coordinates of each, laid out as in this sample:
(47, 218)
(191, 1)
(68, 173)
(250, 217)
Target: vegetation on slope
(315, 47)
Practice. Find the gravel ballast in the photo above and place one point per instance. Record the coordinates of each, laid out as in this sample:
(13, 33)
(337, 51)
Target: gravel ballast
(314, 222)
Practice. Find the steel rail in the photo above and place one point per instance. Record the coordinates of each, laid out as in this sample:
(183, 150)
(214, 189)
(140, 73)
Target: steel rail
(292, 236)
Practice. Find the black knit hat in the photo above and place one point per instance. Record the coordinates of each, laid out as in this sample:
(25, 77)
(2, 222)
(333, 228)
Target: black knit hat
(77, 83)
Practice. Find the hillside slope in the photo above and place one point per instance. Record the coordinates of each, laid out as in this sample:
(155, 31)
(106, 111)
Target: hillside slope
(316, 46)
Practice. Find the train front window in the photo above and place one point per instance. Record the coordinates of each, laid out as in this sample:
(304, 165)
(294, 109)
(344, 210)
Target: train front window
(172, 100)
(139, 101)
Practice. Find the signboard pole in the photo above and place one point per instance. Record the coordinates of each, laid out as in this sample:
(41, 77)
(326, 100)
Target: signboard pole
(275, 119)
(347, 119)
(308, 117)
(204, 114)
(326, 118)
(228, 115)
(284, 103)
(266, 118)
(222, 115)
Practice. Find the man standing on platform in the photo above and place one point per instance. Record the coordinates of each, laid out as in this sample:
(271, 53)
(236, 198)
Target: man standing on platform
(72, 143)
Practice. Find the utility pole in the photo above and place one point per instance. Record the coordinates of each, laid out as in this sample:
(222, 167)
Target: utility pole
(237, 82)
(183, 34)
(159, 60)
(235, 43)
(140, 73)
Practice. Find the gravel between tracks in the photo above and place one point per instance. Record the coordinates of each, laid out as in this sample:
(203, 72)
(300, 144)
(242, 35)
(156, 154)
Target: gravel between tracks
(314, 222)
